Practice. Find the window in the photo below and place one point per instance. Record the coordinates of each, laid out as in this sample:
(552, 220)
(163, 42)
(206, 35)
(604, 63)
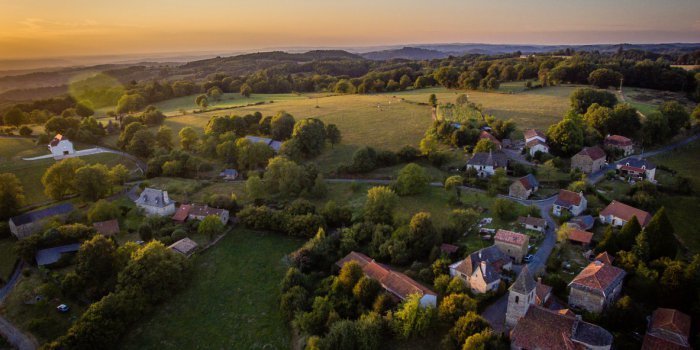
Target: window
(517, 299)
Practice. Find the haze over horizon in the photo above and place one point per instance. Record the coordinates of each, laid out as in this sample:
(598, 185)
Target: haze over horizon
(44, 28)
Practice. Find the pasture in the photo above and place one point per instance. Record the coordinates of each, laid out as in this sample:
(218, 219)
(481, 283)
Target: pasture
(230, 302)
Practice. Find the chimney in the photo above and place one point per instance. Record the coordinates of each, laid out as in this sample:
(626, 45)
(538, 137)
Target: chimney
(539, 280)
(483, 265)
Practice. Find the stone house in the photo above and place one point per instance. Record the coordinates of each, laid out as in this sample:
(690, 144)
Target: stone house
(512, 244)
(24, 225)
(199, 212)
(532, 223)
(637, 169)
(589, 160)
(667, 329)
(60, 147)
(155, 202)
(618, 214)
(571, 202)
(619, 142)
(485, 164)
(524, 187)
(481, 270)
(596, 286)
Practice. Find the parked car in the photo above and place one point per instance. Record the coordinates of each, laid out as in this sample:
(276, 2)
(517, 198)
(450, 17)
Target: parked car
(63, 308)
(528, 258)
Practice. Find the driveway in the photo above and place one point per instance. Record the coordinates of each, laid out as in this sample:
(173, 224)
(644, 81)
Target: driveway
(12, 334)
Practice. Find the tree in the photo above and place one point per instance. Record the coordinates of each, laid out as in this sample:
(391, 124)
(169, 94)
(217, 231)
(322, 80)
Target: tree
(463, 219)
(366, 290)
(252, 155)
(15, 117)
(504, 209)
(142, 143)
(454, 306)
(364, 160)
(563, 233)
(498, 182)
(412, 179)
(319, 189)
(567, 137)
(696, 113)
(130, 103)
(333, 134)
(310, 135)
(227, 152)
(58, 178)
(655, 129)
(422, 235)
(466, 326)
(453, 183)
(188, 138)
(164, 138)
(462, 99)
(155, 271)
(246, 90)
(215, 93)
(92, 182)
(405, 82)
(11, 195)
(484, 145)
(676, 115)
(604, 78)
(202, 101)
(661, 235)
(97, 264)
(432, 100)
(413, 320)
(254, 187)
(210, 226)
(128, 133)
(284, 176)
(282, 126)
(102, 210)
(380, 204)
(583, 98)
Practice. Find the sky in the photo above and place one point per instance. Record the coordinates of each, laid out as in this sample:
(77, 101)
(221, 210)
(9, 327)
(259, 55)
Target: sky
(51, 28)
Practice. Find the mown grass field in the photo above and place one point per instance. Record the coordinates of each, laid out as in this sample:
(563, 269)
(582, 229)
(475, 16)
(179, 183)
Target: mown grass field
(230, 302)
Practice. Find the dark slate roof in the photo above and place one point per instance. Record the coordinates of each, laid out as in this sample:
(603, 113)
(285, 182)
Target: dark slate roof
(494, 258)
(495, 159)
(51, 255)
(37, 215)
(524, 283)
(275, 145)
(638, 163)
(154, 198)
(229, 172)
(584, 222)
(529, 181)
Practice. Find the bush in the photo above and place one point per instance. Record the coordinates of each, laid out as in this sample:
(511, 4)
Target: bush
(25, 130)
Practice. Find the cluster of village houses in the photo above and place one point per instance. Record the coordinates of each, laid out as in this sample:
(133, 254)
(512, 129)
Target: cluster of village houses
(536, 319)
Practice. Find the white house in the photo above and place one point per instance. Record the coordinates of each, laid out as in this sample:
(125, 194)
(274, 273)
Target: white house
(156, 202)
(618, 214)
(535, 141)
(60, 147)
(574, 203)
(638, 169)
(485, 164)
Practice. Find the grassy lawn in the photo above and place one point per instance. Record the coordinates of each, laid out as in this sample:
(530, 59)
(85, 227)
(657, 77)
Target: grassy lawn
(647, 100)
(231, 301)
(8, 257)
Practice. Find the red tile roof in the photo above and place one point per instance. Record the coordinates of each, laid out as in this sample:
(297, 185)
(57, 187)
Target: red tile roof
(626, 212)
(488, 136)
(182, 212)
(599, 278)
(569, 197)
(532, 221)
(356, 256)
(531, 133)
(605, 258)
(511, 237)
(535, 142)
(56, 139)
(107, 228)
(668, 329)
(592, 152)
(580, 236)
(617, 140)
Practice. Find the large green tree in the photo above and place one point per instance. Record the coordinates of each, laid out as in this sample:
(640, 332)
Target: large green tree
(380, 204)
(11, 195)
(58, 180)
(92, 182)
(412, 179)
(310, 136)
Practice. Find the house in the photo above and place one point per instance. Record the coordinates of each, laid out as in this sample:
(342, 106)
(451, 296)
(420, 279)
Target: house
(185, 246)
(534, 134)
(618, 214)
(107, 228)
(582, 222)
(542, 328)
(512, 244)
(485, 164)
(396, 283)
(155, 202)
(49, 256)
(574, 203)
(275, 145)
(487, 135)
(24, 225)
(637, 169)
(229, 174)
(589, 160)
(525, 292)
(199, 212)
(596, 286)
(619, 142)
(578, 236)
(60, 147)
(533, 223)
(667, 329)
(524, 187)
(535, 146)
(482, 269)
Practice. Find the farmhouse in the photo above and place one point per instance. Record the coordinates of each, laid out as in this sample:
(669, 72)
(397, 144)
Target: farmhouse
(512, 244)
(275, 145)
(534, 134)
(107, 228)
(487, 135)
(541, 328)
(524, 187)
(596, 286)
(155, 202)
(485, 164)
(49, 256)
(589, 160)
(482, 269)
(667, 329)
(185, 246)
(533, 223)
(574, 203)
(618, 214)
(619, 142)
(396, 283)
(535, 141)
(229, 174)
(525, 292)
(199, 212)
(637, 169)
(60, 147)
(23, 226)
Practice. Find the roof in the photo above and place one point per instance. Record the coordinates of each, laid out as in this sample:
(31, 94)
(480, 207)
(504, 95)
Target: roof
(275, 145)
(449, 248)
(535, 142)
(56, 140)
(205, 210)
(584, 222)
(598, 278)
(38, 215)
(594, 152)
(529, 181)
(668, 329)
(394, 282)
(580, 236)
(542, 293)
(541, 328)
(107, 228)
(492, 256)
(184, 246)
(182, 213)
(154, 198)
(486, 135)
(626, 212)
(49, 256)
(638, 163)
(511, 237)
(605, 258)
(229, 173)
(496, 159)
(525, 283)
(617, 140)
(532, 221)
(532, 133)
(568, 198)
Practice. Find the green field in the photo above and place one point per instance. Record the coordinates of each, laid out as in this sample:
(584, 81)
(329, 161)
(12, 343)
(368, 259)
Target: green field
(647, 100)
(230, 303)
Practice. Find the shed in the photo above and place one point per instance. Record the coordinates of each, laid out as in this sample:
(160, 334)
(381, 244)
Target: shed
(49, 256)
(185, 246)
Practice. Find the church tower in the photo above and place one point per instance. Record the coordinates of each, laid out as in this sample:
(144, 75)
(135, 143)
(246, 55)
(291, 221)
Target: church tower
(520, 296)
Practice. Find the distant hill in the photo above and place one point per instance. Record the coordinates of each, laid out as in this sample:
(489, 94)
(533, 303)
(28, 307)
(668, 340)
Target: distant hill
(408, 53)
(493, 49)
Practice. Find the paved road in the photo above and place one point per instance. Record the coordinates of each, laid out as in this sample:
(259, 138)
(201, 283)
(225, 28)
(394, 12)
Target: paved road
(13, 335)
